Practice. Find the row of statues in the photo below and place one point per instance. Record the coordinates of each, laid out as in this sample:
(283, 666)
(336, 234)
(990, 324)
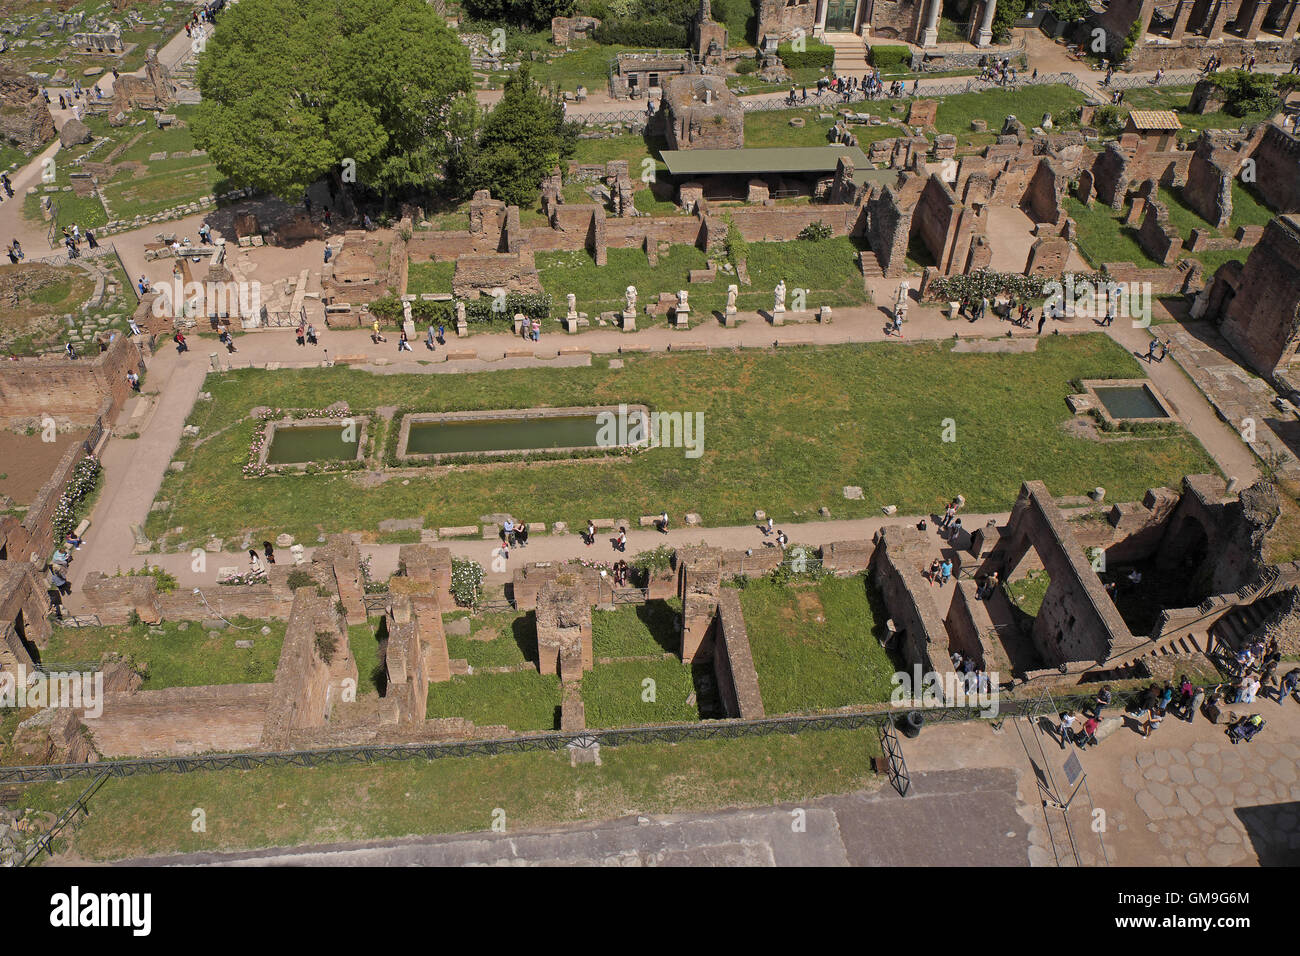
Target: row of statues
(733, 291)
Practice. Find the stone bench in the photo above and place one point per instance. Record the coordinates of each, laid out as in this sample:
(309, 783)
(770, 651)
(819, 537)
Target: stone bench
(519, 353)
(460, 355)
(459, 531)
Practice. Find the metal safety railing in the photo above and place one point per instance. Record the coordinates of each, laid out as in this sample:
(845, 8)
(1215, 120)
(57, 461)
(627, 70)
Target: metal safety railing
(551, 741)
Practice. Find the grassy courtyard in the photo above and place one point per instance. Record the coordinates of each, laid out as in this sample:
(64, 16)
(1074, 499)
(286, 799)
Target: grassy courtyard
(784, 432)
(521, 700)
(815, 645)
(828, 270)
(177, 653)
(284, 806)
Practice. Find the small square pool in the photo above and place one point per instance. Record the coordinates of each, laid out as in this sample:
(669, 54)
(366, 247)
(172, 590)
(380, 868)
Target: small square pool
(1129, 401)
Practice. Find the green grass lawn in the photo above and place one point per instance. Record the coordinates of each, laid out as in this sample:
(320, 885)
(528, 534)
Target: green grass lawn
(828, 270)
(496, 640)
(1028, 104)
(182, 655)
(642, 630)
(628, 693)
(783, 432)
(285, 806)
(815, 646)
(424, 277)
(1027, 593)
(521, 700)
(627, 146)
(363, 640)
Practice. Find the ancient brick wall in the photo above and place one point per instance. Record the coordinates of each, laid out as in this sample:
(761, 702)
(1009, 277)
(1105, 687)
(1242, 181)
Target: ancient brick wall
(406, 694)
(897, 572)
(1210, 174)
(889, 223)
(897, 20)
(516, 272)
(733, 660)
(847, 557)
(1046, 190)
(1192, 52)
(1111, 176)
(781, 19)
(1262, 321)
(1157, 236)
(71, 391)
(1277, 169)
(177, 721)
(306, 686)
(22, 599)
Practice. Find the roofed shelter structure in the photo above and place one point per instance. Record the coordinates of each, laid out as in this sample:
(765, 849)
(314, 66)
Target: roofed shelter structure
(783, 172)
(1157, 126)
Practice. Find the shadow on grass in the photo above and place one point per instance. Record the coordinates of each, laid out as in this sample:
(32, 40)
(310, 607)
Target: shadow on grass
(524, 631)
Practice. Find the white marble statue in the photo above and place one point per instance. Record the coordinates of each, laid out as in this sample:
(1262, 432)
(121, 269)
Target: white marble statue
(779, 305)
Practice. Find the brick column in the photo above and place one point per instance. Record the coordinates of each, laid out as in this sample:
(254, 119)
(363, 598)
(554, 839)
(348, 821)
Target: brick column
(1292, 23)
(1184, 12)
(1256, 21)
(1218, 20)
(930, 35)
(984, 36)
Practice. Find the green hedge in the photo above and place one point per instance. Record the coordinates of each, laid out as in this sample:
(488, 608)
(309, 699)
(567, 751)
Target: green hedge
(746, 66)
(647, 33)
(891, 59)
(816, 55)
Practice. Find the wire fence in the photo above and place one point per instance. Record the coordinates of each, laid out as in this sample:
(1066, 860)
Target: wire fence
(1000, 709)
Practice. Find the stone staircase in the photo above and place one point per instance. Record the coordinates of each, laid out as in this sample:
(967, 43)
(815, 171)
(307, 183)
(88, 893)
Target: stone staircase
(850, 54)
(1231, 630)
(870, 265)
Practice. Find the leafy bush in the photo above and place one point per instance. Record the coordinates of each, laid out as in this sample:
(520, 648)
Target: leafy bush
(466, 581)
(747, 66)
(535, 13)
(815, 232)
(165, 581)
(1069, 10)
(656, 561)
(327, 644)
(736, 245)
(1245, 92)
(1110, 120)
(535, 305)
(891, 59)
(815, 55)
(300, 579)
(655, 33)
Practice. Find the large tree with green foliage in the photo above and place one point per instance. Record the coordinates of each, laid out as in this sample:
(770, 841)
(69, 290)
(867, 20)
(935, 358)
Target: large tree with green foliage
(521, 140)
(294, 88)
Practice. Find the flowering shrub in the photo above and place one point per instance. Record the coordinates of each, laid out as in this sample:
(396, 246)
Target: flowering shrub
(466, 581)
(984, 283)
(83, 481)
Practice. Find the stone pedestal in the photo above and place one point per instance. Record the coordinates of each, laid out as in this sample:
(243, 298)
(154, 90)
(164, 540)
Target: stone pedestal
(518, 323)
(729, 319)
(462, 329)
(778, 316)
(681, 318)
(984, 36)
(824, 315)
(629, 322)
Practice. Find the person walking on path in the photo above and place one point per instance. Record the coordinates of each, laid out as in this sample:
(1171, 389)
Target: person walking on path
(620, 543)
(591, 533)
(663, 522)
(1042, 320)
(767, 532)
(301, 334)
(1287, 685)
(428, 339)
(1067, 728)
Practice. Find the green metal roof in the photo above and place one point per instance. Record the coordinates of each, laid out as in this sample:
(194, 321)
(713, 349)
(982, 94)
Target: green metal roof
(784, 159)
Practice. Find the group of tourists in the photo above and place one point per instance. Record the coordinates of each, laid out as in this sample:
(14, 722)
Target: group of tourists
(72, 239)
(513, 534)
(1002, 72)
(972, 675)
(256, 566)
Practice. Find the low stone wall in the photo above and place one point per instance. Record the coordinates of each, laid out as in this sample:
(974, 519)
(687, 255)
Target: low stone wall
(733, 660)
(177, 721)
(71, 391)
(306, 685)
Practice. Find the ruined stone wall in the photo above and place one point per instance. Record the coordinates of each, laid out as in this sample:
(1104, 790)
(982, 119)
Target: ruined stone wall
(1192, 52)
(22, 597)
(784, 223)
(177, 721)
(306, 686)
(1262, 321)
(924, 640)
(71, 391)
(848, 557)
(1157, 236)
(1277, 169)
(889, 225)
(406, 694)
(897, 20)
(781, 19)
(933, 220)
(733, 660)
(25, 119)
(1210, 174)
(35, 534)
(701, 580)
(1046, 191)
(515, 272)
(563, 627)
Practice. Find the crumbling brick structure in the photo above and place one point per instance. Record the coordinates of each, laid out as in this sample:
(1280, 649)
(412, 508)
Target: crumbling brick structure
(1210, 176)
(25, 118)
(701, 578)
(563, 626)
(1260, 303)
(315, 667)
(153, 91)
(24, 622)
(701, 113)
(1277, 168)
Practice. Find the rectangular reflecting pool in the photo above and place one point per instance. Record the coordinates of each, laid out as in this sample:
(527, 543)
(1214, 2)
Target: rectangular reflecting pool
(295, 444)
(1129, 401)
(466, 437)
